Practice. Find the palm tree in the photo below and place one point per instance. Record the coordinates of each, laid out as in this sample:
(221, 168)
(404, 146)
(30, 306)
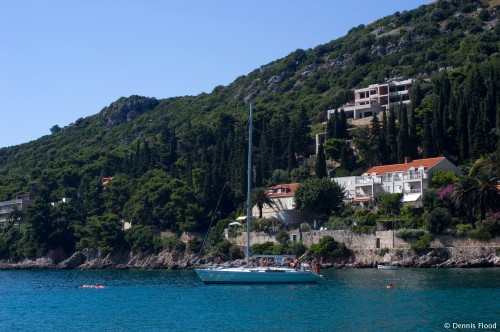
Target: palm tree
(487, 195)
(479, 194)
(463, 196)
(259, 198)
(491, 164)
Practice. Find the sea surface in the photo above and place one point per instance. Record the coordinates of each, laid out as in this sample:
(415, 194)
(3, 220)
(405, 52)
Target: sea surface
(348, 300)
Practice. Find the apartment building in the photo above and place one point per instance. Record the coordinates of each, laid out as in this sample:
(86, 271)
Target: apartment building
(20, 203)
(376, 98)
(411, 179)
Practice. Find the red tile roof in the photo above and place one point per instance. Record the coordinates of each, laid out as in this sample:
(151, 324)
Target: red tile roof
(426, 163)
(105, 181)
(282, 190)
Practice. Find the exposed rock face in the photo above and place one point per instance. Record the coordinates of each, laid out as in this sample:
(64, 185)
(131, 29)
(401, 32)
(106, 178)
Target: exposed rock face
(125, 109)
(93, 260)
(473, 257)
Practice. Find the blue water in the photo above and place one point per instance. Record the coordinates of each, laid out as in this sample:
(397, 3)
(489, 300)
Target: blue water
(348, 300)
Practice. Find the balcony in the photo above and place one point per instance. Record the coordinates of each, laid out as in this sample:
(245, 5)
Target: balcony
(412, 191)
(369, 181)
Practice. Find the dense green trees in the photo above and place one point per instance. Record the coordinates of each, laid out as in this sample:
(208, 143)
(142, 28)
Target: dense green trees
(178, 162)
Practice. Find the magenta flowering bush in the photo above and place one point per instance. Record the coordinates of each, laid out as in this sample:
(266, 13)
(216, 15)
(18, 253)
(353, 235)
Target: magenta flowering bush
(446, 192)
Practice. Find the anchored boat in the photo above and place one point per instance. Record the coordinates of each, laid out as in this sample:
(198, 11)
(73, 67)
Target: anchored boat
(255, 275)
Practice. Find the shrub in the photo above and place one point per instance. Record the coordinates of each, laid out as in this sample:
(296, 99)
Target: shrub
(327, 246)
(399, 253)
(304, 227)
(491, 224)
(265, 248)
(297, 249)
(479, 234)
(364, 229)
(194, 245)
(382, 252)
(283, 238)
(338, 223)
(422, 243)
(461, 230)
(410, 235)
(172, 244)
(438, 220)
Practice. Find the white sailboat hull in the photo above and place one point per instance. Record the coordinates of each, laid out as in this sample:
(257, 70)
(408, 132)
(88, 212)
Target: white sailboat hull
(257, 276)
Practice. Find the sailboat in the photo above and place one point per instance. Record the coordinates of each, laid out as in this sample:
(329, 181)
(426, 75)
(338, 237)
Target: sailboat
(255, 275)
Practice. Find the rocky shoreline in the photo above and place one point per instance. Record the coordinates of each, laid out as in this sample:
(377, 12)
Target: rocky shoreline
(91, 260)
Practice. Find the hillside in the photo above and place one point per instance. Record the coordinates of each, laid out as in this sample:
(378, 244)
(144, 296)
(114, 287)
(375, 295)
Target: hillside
(196, 144)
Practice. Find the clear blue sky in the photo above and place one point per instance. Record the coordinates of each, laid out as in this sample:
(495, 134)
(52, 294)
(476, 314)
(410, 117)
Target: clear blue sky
(61, 60)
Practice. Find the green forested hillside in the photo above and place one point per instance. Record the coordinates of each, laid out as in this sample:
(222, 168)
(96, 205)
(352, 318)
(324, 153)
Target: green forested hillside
(175, 160)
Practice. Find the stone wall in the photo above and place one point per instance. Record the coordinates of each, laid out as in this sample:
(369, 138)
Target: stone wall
(379, 240)
(360, 241)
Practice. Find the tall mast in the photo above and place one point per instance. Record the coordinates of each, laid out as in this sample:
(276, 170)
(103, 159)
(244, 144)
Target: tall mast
(249, 182)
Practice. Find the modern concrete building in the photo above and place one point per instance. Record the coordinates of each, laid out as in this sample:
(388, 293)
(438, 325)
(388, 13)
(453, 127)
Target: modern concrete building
(20, 203)
(376, 98)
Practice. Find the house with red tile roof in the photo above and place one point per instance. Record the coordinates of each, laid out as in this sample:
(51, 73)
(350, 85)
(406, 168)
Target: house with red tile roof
(282, 196)
(105, 181)
(412, 179)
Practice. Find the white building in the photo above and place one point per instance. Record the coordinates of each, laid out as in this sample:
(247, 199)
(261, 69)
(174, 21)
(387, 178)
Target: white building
(376, 98)
(283, 207)
(411, 179)
(20, 203)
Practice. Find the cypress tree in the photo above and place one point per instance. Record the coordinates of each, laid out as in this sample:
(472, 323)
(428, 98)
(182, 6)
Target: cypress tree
(173, 151)
(336, 124)
(403, 141)
(320, 166)
(303, 131)
(427, 140)
(346, 157)
(330, 128)
(384, 152)
(413, 138)
(462, 132)
(342, 125)
(375, 138)
(165, 138)
(416, 95)
(392, 137)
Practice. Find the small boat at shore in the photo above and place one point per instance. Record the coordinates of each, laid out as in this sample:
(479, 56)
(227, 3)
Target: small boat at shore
(387, 267)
